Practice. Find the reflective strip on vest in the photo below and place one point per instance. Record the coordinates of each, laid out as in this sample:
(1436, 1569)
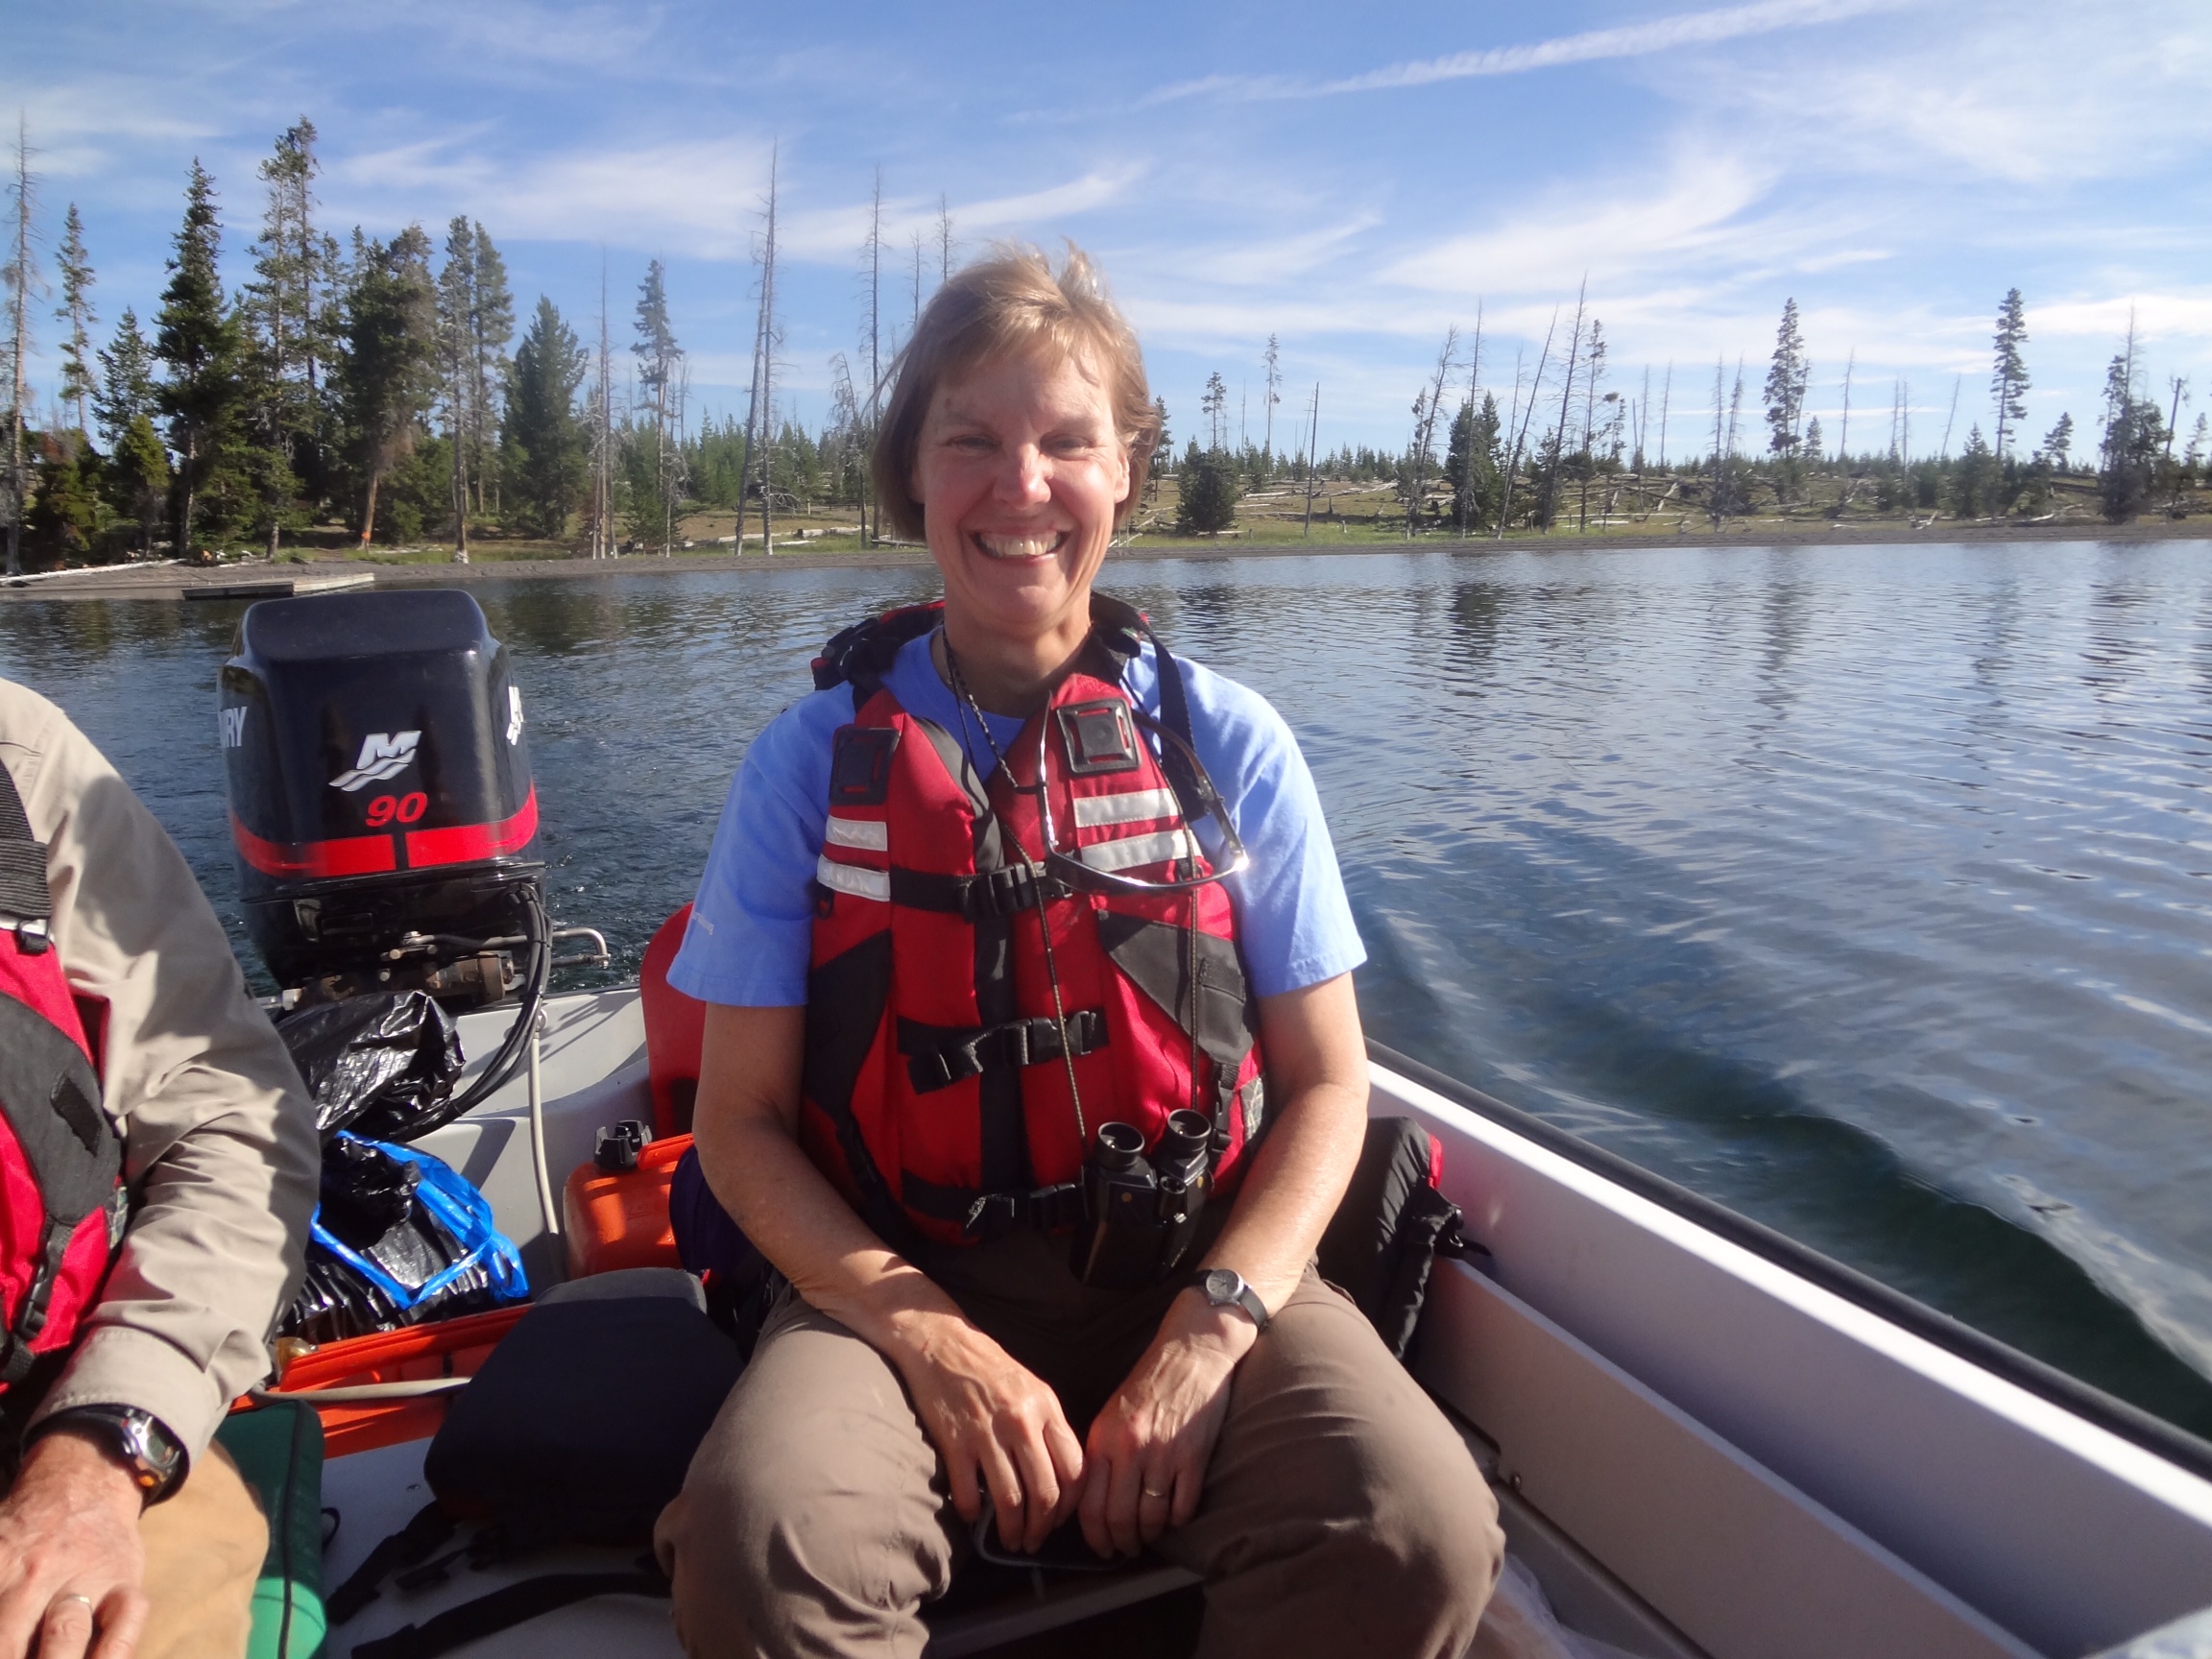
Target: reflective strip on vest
(1096, 812)
(869, 834)
(1134, 850)
(850, 879)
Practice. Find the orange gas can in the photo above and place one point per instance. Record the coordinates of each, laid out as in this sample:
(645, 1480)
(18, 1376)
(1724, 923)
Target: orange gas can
(618, 1217)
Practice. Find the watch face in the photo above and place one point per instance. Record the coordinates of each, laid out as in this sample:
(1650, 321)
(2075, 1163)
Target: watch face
(1221, 1284)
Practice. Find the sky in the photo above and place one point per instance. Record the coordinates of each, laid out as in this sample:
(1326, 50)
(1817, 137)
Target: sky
(1353, 180)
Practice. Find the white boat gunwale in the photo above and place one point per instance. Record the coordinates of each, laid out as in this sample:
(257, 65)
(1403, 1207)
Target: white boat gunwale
(2119, 1417)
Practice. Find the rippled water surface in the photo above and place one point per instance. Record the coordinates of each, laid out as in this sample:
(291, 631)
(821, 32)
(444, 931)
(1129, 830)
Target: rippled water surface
(1867, 890)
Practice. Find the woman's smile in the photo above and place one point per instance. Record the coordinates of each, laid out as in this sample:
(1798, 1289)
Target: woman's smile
(1030, 545)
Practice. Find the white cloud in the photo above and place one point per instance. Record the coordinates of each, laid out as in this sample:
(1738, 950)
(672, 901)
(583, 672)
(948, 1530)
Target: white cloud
(2036, 95)
(1609, 233)
(699, 197)
(2155, 316)
(1593, 45)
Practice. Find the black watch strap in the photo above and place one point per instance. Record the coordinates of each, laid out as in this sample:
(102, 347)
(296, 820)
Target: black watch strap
(139, 1441)
(1225, 1287)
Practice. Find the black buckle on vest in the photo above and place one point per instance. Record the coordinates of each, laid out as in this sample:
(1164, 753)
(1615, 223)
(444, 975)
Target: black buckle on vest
(1044, 1210)
(992, 894)
(860, 765)
(939, 1056)
(1004, 892)
(1098, 735)
(31, 935)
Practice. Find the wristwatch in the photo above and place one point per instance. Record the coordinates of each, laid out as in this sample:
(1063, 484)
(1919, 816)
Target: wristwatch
(137, 1439)
(1225, 1287)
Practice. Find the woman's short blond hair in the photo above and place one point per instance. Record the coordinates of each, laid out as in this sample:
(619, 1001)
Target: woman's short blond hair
(1011, 301)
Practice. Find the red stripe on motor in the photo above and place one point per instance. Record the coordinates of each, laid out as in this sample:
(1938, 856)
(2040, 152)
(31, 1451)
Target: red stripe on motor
(471, 843)
(352, 856)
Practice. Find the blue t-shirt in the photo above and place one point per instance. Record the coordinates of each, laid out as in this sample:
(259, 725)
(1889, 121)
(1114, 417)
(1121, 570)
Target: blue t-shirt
(752, 923)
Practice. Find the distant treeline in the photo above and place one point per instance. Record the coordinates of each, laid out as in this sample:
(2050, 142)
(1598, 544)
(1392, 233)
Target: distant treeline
(377, 386)
(380, 387)
(1565, 443)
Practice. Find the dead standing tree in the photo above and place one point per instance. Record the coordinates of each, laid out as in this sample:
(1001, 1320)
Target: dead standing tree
(1425, 403)
(1566, 406)
(1466, 481)
(1525, 415)
(872, 256)
(761, 404)
(20, 276)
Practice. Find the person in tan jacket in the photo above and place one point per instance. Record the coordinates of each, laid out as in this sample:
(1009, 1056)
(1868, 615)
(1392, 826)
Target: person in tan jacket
(123, 1530)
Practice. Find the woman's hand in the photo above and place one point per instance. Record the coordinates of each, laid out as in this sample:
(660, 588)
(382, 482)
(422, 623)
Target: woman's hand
(1150, 1447)
(998, 1429)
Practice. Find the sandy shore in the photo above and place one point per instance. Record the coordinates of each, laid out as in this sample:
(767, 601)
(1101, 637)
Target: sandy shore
(233, 581)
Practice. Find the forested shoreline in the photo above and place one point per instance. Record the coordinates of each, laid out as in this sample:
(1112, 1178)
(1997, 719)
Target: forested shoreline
(376, 392)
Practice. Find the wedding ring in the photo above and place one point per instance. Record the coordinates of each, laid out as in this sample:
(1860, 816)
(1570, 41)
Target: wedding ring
(76, 1595)
(1149, 1493)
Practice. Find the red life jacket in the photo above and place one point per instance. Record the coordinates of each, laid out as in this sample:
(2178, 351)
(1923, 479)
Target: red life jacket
(60, 1161)
(935, 1080)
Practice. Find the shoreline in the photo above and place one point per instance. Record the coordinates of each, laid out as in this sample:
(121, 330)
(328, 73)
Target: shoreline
(173, 582)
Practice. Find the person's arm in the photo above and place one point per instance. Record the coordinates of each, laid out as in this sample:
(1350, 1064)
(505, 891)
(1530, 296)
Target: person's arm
(219, 1149)
(998, 1428)
(1148, 1449)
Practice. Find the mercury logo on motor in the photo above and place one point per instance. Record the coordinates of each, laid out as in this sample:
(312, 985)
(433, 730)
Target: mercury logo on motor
(383, 755)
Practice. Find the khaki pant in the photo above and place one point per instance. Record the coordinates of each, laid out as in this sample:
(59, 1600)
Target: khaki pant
(205, 1548)
(1342, 1514)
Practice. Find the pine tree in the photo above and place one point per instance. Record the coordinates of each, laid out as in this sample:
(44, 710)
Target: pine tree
(2058, 443)
(76, 312)
(548, 471)
(196, 339)
(1976, 482)
(1474, 463)
(290, 329)
(2134, 434)
(2009, 379)
(1163, 453)
(1215, 400)
(67, 511)
(136, 476)
(387, 376)
(457, 365)
(126, 391)
(1206, 503)
(659, 360)
(495, 326)
(1787, 378)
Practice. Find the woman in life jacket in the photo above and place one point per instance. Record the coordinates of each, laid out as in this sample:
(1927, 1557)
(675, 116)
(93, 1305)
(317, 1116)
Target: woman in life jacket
(998, 927)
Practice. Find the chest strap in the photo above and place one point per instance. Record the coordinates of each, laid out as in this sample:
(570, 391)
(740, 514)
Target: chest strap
(939, 1056)
(976, 897)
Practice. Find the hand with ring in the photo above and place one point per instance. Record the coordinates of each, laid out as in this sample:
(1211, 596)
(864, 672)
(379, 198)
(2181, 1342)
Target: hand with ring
(71, 1562)
(1146, 1456)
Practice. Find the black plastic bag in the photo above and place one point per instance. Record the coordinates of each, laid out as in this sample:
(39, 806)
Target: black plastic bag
(398, 1238)
(379, 1065)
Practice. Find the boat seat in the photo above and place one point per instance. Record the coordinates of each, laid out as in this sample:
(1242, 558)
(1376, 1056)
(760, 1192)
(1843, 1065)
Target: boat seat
(675, 1028)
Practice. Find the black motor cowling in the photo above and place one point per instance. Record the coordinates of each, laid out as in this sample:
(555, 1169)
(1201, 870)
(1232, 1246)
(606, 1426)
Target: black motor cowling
(382, 808)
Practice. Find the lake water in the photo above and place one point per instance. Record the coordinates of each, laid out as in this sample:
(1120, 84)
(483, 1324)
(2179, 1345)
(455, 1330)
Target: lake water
(1867, 890)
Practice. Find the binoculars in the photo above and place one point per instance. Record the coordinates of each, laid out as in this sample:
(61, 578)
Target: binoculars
(1140, 1213)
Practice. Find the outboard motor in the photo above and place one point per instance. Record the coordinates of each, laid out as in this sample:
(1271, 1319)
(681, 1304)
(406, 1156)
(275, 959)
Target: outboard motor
(381, 801)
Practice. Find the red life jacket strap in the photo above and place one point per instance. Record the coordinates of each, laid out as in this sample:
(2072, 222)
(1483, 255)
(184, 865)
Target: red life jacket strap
(939, 1056)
